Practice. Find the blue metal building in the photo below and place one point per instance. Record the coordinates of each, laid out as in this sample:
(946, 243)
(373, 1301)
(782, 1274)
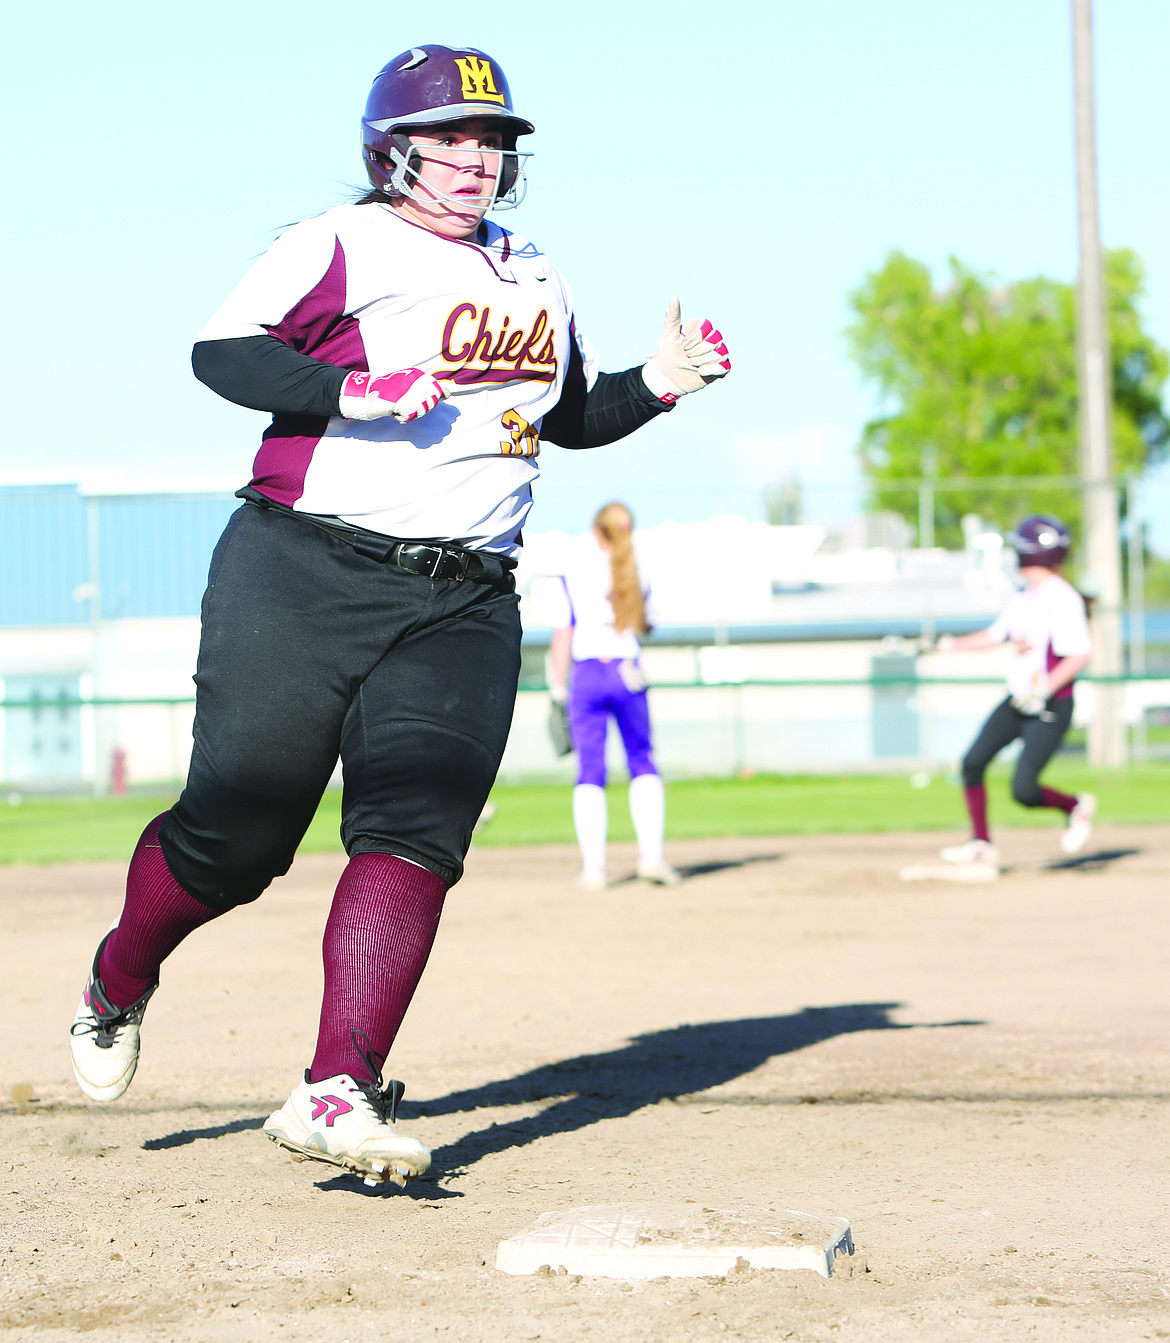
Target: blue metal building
(68, 557)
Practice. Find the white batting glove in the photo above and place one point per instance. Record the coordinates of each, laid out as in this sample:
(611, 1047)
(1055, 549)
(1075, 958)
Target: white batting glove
(688, 357)
(405, 394)
(1031, 706)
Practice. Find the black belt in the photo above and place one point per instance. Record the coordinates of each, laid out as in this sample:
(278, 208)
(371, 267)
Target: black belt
(434, 561)
(416, 557)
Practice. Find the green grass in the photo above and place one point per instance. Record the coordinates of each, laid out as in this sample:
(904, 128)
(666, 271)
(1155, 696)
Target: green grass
(62, 829)
(814, 804)
(73, 829)
(48, 829)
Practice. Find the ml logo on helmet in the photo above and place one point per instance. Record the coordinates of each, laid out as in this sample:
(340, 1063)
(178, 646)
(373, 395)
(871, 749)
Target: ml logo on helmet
(478, 82)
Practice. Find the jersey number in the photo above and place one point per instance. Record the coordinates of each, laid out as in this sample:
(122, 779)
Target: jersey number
(525, 441)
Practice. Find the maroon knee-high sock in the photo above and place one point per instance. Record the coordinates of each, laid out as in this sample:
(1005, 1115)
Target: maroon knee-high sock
(976, 799)
(377, 940)
(1061, 801)
(156, 917)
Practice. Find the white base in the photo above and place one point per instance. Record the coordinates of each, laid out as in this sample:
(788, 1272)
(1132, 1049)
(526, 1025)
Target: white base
(964, 872)
(653, 1240)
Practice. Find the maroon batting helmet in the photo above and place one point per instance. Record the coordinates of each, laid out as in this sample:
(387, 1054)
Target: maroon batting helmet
(1040, 540)
(428, 85)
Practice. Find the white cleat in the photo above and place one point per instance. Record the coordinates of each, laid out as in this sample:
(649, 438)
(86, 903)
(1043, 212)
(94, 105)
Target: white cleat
(1080, 824)
(103, 1040)
(350, 1124)
(661, 874)
(976, 852)
(591, 881)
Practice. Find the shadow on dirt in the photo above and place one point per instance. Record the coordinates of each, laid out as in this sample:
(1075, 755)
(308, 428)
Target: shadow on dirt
(1083, 862)
(190, 1135)
(688, 870)
(660, 1066)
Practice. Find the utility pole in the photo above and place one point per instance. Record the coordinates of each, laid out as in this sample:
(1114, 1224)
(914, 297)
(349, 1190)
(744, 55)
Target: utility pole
(926, 538)
(1102, 548)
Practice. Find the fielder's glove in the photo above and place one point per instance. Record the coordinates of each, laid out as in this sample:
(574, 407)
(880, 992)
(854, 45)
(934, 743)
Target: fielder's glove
(1031, 706)
(688, 357)
(405, 394)
(558, 727)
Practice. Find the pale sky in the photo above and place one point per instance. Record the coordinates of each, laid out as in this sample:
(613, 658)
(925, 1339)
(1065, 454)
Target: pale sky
(757, 161)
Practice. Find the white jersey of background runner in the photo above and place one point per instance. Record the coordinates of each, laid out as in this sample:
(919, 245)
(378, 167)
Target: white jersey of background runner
(1045, 623)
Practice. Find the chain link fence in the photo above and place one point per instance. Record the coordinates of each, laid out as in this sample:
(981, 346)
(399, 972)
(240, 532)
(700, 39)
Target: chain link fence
(900, 717)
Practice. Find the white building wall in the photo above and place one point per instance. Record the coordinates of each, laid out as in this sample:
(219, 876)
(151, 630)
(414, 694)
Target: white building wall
(114, 661)
(709, 729)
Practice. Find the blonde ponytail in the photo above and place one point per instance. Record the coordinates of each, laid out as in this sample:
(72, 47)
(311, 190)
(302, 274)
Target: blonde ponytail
(615, 525)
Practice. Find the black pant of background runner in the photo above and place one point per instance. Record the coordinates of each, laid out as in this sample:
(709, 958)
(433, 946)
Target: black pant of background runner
(1042, 734)
(309, 651)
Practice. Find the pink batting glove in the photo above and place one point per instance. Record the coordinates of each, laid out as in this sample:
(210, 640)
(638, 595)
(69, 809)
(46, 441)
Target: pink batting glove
(706, 349)
(687, 359)
(404, 394)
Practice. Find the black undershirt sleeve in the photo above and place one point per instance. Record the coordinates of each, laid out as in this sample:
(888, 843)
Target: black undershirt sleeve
(589, 417)
(263, 373)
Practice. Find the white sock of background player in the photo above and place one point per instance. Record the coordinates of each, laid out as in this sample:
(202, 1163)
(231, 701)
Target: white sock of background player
(591, 818)
(648, 813)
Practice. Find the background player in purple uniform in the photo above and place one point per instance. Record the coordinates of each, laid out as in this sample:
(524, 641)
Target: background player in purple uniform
(1047, 627)
(361, 603)
(604, 610)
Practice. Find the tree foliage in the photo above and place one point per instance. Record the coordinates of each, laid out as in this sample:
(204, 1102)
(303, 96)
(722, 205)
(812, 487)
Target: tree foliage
(981, 380)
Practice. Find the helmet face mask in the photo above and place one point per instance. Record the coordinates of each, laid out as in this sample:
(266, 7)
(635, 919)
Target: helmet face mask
(430, 86)
(403, 174)
(1040, 541)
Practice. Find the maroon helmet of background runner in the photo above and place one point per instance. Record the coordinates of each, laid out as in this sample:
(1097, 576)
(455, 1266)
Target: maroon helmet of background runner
(1041, 540)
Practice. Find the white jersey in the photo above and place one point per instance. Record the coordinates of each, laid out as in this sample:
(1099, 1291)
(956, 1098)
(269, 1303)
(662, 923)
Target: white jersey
(1045, 624)
(363, 288)
(583, 602)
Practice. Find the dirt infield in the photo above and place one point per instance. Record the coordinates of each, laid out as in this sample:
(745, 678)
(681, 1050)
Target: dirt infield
(976, 1077)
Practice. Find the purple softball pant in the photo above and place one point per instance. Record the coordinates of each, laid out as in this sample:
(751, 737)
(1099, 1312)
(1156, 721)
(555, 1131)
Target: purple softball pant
(598, 693)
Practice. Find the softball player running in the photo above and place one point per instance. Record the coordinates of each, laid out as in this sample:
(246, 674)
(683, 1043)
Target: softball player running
(1047, 627)
(360, 603)
(604, 608)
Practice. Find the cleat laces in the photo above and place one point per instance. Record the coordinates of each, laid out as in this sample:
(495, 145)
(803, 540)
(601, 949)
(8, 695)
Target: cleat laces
(105, 1019)
(383, 1100)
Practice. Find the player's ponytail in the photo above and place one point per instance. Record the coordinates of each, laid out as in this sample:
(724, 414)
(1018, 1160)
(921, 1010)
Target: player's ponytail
(615, 525)
(375, 197)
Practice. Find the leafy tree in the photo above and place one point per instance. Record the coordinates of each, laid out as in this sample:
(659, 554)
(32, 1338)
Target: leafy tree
(980, 380)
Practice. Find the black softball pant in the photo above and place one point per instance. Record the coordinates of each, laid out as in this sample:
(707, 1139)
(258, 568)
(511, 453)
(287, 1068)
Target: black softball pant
(1042, 735)
(311, 651)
